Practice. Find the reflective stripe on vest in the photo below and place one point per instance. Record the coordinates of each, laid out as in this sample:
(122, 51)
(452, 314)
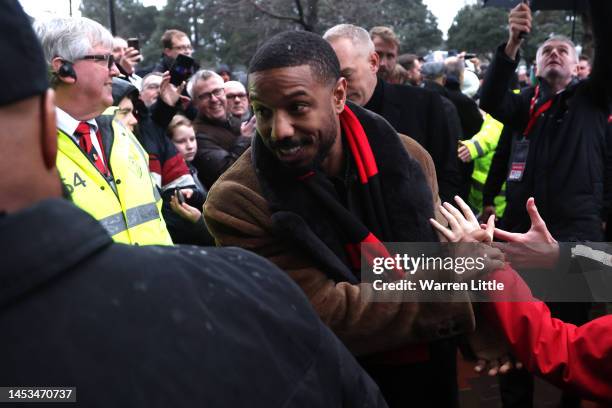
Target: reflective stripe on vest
(132, 213)
(116, 223)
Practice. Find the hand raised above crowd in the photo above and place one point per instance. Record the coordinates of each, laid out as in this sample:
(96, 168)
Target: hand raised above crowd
(519, 21)
(170, 93)
(129, 60)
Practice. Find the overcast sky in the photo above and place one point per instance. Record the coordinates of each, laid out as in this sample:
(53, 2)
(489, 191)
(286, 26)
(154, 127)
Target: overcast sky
(444, 10)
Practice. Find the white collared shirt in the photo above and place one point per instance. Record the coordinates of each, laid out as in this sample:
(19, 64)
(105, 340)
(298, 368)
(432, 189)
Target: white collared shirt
(68, 125)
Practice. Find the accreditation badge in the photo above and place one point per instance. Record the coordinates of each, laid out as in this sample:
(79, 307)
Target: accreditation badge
(518, 160)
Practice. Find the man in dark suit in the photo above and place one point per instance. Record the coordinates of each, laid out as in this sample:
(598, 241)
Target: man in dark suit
(413, 111)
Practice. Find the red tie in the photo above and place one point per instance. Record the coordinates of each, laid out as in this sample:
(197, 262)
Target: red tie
(84, 133)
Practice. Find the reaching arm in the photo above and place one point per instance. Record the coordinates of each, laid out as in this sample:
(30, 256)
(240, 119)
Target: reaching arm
(496, 96)
(574, 358)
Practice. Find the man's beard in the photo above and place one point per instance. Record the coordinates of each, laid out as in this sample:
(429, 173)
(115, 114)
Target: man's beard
(328, 137)
(384, 75)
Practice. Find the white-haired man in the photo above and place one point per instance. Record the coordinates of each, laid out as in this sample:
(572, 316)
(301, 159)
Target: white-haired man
(102, 165)
(412, 111)
(562, 137)
(237, 100)
(238, 108)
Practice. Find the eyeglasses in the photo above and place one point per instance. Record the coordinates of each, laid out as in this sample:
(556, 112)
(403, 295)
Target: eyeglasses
(234, 96)
(183, 48)
(208, 95)
(108, 58)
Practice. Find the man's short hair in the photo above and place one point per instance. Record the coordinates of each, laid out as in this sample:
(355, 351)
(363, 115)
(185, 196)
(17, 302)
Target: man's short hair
(358, 36)
(70, 38)
(119, 40)
(584, 58)
(386, 34)
(169, 35)
(230, 84)
(150, 75)
(433, 70)
(201, 75)
(454, 67)
(407, 61)
(560, 38)
(296, 48)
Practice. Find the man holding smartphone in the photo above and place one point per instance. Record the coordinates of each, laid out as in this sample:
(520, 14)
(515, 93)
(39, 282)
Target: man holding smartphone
(127, 56)
(174, 42)
(560, 151)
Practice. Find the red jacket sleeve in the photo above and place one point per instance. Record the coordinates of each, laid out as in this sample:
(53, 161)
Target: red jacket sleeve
(578, 359)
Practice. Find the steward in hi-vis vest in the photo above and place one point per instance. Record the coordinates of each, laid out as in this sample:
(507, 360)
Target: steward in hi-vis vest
(126, 202)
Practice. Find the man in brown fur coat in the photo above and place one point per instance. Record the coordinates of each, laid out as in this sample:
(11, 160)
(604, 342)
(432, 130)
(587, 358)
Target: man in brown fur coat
(321, 177)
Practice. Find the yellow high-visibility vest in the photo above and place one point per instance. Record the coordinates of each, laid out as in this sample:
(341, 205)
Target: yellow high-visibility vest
(129, 205)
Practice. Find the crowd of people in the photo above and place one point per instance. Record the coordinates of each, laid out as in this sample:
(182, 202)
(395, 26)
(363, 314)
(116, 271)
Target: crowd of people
(200, 242)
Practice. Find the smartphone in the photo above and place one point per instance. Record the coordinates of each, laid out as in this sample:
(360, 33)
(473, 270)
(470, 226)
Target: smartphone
(523, 35)
(133, 42)
(180, 196)
(470, 56)
(182, 68)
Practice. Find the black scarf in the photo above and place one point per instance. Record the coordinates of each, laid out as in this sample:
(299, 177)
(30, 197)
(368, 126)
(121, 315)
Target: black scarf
(391, 192)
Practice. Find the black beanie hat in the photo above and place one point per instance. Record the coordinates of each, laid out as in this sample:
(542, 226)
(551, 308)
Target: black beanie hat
(23, 63)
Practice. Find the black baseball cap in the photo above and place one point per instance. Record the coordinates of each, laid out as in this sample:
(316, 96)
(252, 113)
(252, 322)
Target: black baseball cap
(23, 63)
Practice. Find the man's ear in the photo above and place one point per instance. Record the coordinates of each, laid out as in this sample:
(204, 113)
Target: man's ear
(56, 63)
(374, 61)
(48, 129)
(340, 95)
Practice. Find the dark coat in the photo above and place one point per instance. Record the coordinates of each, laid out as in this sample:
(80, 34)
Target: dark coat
(420, 114)
(218, 148)
(498, 172)
(452, 115)
(469, 115)
(569, 163)
(238, 213)
(163, 64)
(160, 326)
(463, 117)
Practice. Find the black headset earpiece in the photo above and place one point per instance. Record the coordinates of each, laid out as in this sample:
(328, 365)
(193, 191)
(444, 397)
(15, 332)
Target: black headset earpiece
(66, 70)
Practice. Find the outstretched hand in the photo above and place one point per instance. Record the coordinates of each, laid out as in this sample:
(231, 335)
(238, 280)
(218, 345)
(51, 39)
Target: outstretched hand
(464, 226)
(465, 229)
(538, 233)
(534, 249)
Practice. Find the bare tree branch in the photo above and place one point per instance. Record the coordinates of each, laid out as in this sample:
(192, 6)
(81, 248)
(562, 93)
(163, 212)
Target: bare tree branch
(274, 15)
(298, 5)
